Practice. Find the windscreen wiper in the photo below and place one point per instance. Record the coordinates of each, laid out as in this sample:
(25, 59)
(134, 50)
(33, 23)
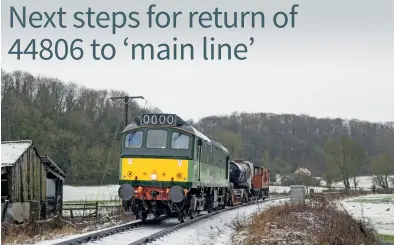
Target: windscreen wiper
(180, 134)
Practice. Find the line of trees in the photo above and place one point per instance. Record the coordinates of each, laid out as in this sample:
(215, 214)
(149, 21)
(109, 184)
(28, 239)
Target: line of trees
(284, 142)
(346, 159)
(75, 126)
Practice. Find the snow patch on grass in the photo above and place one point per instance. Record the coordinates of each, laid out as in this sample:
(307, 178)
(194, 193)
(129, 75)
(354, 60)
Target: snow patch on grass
(378, 209)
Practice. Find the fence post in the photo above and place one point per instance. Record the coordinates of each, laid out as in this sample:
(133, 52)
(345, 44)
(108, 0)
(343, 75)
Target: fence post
(96, 209)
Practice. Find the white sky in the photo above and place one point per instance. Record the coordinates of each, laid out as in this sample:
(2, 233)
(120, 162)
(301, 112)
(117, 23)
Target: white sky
(337, 62)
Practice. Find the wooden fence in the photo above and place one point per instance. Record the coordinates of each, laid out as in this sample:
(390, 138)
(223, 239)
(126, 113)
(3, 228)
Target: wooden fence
(87, 210)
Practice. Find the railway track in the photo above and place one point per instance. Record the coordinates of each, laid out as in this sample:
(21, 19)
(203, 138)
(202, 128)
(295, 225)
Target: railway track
(96, 235)
(135, 226)
(169, 230)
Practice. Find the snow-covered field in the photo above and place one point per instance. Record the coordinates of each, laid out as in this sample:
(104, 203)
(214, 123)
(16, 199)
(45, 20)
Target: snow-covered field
(89, 193)
(114, 209)
(110, 192)
(364, 182)
(286, 189)
(378, 209)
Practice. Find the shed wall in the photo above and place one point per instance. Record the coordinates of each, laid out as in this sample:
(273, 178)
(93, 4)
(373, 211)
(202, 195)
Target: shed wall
(28, 178)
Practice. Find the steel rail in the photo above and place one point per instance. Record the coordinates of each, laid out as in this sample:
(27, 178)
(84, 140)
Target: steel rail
(171, 229)
(96, 235)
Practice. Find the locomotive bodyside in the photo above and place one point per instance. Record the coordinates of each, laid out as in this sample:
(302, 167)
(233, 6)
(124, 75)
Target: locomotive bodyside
(168, 167)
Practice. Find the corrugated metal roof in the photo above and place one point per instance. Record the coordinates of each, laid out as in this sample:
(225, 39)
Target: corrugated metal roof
(12, 150)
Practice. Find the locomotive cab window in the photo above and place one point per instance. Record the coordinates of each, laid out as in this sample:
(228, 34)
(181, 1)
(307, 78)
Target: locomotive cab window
(180, 141)
(156, 138)
(134, 139)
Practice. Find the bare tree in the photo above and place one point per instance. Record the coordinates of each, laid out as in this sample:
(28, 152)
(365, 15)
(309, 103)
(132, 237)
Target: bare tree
(382, 167)
(347, 156)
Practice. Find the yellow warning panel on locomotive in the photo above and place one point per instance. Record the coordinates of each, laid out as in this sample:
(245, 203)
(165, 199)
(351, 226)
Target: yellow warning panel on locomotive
(153, 169)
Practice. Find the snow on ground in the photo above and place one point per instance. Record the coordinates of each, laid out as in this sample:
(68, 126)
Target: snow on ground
(286, 189)
(364, 182)
(89, 193)
(101, 211)
(378, 209)
(214, 230)
(133, 235)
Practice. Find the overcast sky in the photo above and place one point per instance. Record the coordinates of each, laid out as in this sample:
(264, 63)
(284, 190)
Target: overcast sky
(338, 61)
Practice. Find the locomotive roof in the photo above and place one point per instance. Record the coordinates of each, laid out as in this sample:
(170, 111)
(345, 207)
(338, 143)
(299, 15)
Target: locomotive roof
(188, 128)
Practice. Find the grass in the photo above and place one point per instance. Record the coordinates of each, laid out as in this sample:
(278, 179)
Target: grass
(387, 238)
(35, 231)
(110, 213)
(12, 233)
(317, 223)
(304, 224)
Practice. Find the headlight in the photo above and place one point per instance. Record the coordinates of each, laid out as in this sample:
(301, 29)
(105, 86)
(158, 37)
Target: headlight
(153, 176)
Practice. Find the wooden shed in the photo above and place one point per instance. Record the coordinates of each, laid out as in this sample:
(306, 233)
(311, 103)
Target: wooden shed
(24, 178)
